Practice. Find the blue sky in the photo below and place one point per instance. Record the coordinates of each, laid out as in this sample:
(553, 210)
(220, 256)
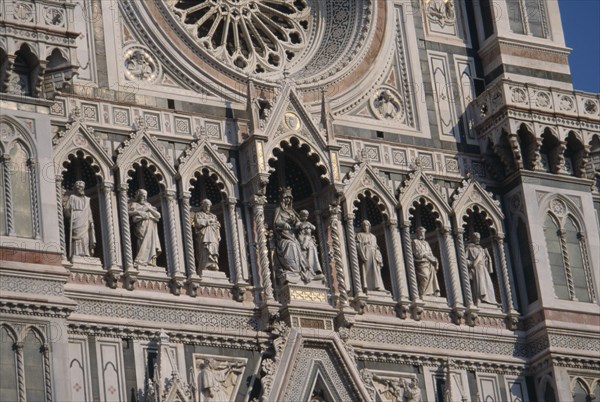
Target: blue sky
(581, 24)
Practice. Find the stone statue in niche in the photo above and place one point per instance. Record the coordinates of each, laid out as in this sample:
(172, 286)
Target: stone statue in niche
(370, 258)
(218, 379)
(291, 261)
(81, 223)
(479, 264)
(426, 265)
(207, 234)
(145, 219)
(308, 244)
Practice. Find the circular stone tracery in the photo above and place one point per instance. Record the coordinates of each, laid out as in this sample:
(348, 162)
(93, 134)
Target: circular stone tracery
(255, 36)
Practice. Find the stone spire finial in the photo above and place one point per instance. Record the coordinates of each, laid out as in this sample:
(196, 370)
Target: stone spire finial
(327, 117)
(252, 107)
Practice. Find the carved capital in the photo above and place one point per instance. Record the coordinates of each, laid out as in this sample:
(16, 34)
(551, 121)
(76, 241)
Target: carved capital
(258, 201)
(107, 187)
(123, 187)
(170, 195)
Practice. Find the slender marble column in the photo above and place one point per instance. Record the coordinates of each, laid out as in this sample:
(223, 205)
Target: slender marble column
(504, 273)
(586, 260)
(125, 231)
(464, 269)
(18, 346)
(354, 264)
(235, 240)
(258, 209)
(61, 219)
(47, 376)
(452, 267)
(35, 207)
(410, 263)
(170, 197)
(188, 237)
(6, 169)
(334, 223)
(398, 259)
(106, 189)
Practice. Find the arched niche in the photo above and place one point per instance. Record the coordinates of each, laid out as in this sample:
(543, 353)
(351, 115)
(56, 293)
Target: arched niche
(529, 146)
(551, 152)
(422, 205)
(82, 167)
(26, 69)
(142, 165)
(576, 155)
(369, 206)
(205, 185)
(294, 164)
(19, 203)
(368, 195)
(144, 175)
(567, 249)
(423, 213)
(477, 220)
(204, 173)
(79, 155)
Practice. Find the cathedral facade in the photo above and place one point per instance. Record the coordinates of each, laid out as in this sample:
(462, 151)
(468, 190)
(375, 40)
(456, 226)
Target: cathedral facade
(296, 200)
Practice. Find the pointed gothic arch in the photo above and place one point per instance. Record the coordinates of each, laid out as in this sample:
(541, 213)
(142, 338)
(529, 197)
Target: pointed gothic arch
(18, 181)
(79, 155)
(472, 194)
(552, 151)
(417, 196)
(529, 146)
(142, 164)
(576, 154)
(419, 186)
(202, 155)
(367, 195)
(78, 137)
(567, 249)
(204, 173)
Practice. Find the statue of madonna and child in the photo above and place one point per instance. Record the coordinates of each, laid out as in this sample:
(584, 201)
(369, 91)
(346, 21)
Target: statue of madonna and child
(296, 252)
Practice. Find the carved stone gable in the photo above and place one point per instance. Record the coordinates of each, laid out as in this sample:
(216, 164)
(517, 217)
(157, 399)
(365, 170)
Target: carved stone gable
(202, 154)
(289, 115)
(364, 177)
(420, 185)
(318, 368)
(472, 193)
(142, 145)
(76, 137)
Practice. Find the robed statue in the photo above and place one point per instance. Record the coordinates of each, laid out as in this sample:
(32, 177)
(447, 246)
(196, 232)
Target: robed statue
(291, 261)
(308, 244)
(207, 233)
(479, 264)
(145, 219)
(81, 223)
(426, 265)
(370, 258)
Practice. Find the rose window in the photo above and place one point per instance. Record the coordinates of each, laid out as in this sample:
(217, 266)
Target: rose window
(255, 36)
